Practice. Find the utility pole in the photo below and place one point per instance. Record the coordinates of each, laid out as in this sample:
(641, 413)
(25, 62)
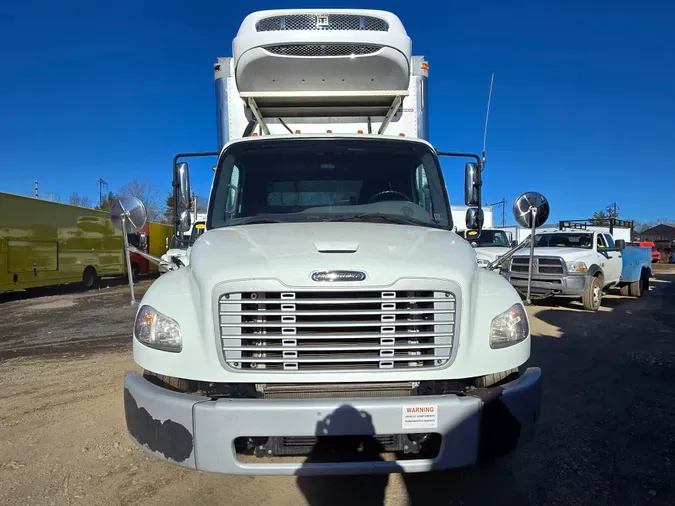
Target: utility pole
(36, 189)
(503, 204)
(101, 184)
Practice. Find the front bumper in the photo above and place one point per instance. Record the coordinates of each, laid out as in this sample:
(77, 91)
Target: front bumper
(550, 284)
(197, 432)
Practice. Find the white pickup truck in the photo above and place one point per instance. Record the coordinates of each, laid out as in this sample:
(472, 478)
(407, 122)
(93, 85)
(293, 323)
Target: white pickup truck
(569, 264)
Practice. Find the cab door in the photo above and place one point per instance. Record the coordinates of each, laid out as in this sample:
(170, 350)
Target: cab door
(612, 260)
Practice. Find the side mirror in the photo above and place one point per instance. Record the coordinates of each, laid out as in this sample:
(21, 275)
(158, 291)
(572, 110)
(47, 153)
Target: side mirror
(184, 221)
(620, 244)
(514, 244)
(183, 175)
(472, 183)
(128, 214)
(528, 202)
(474, 219)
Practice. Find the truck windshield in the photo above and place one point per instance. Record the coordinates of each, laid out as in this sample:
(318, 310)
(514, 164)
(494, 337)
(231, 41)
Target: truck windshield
(492, 239)
(293, 180)
(584, 241)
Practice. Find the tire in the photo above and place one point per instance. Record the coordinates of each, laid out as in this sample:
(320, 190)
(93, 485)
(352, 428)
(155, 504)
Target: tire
(636, 286)
(90, 278)
(592, 296)
(645, 282)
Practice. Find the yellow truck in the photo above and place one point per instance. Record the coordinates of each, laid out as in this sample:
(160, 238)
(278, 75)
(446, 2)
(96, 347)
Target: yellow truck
(45, 243)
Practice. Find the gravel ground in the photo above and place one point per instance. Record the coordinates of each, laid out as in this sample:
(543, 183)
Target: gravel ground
(606, 432)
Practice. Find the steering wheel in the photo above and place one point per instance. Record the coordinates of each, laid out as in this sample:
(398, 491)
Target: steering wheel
(389, 192)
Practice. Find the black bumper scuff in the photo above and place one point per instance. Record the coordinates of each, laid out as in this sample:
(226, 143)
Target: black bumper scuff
(169, 438)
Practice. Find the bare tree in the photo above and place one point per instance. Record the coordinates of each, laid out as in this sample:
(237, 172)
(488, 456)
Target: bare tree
(77, 200)
(144, 191)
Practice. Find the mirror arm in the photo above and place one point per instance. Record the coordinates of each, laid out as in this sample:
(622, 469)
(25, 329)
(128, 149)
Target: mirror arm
(506, 256)
(153, 259)
(479, 162)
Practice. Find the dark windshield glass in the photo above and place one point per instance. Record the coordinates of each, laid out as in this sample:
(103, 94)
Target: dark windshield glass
(288, 180)
(564, 241)
(492, 239)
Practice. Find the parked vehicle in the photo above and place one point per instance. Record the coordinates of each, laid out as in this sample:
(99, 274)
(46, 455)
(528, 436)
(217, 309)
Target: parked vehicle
(656, 254)
(490, 245)
(329, 295)
(44, 243)
(580, 264)
(154, 239)
(180, 248)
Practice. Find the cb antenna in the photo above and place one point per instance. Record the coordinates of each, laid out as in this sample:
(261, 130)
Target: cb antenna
(487, 115)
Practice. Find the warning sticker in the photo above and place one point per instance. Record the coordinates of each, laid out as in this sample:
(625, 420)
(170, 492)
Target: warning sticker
(423, 416)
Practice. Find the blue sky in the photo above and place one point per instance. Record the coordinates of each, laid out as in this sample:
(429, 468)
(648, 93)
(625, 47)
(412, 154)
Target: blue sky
(583, 107)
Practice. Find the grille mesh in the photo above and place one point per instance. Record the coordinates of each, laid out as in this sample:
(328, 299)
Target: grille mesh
(328, 331)
(323, 49)
(541, 265)
(321, 22)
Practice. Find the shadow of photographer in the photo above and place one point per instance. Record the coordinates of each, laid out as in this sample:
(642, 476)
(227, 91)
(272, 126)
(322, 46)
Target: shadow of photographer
(358, 446)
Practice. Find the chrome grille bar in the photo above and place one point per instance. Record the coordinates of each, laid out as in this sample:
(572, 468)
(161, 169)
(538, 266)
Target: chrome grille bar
(334, 330)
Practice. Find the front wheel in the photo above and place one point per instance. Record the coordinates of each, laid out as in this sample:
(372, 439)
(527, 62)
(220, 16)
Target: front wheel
(592, 296)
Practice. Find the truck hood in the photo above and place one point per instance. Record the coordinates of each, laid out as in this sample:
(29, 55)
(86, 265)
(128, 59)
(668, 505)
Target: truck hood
(290, 252)
(569, 254)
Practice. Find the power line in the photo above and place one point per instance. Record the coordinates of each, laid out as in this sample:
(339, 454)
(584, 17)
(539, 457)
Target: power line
(503, 204)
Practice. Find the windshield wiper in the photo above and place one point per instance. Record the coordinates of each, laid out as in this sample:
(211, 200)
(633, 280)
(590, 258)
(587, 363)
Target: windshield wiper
(377, 217)
(254, 220)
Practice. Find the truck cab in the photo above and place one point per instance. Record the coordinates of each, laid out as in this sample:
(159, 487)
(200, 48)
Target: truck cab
(569, 263)
(490, 245)
(329, 304)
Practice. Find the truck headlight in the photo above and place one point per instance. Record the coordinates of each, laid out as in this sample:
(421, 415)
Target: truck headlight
(158, 331)
(482, 262)
(573, 267)
(509, 328)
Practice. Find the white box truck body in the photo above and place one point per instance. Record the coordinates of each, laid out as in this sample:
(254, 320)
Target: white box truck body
(329, 299)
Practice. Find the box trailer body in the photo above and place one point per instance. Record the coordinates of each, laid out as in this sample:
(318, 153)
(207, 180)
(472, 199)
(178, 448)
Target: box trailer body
(317, 303)
(45, 243)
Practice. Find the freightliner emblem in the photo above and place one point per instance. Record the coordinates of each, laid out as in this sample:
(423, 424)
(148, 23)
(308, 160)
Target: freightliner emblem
(338, 276)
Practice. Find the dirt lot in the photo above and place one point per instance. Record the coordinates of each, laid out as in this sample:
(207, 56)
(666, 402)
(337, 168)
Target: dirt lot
(606, 434)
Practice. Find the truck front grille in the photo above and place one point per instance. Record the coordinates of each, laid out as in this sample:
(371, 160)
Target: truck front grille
(541, 265)
(323, 49)
(337, 330)
(321, 22)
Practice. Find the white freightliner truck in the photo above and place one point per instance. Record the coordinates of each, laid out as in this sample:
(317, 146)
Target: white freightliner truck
(329, 305)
